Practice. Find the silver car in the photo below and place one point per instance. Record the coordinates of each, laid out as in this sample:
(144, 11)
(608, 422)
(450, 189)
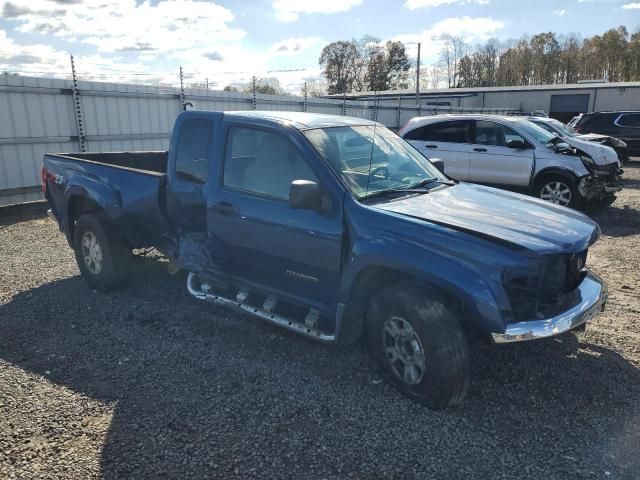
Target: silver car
(513, 153)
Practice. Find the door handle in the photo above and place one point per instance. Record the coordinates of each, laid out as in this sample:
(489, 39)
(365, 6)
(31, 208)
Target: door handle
(225, 208)
(431, 146)
(480, 149)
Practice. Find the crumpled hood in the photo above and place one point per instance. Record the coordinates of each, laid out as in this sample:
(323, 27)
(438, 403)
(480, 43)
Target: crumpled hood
(601, 154)
(591, 136)
(519, 220)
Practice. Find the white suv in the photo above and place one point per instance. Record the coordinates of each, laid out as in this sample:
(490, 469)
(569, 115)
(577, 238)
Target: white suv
(513, 153)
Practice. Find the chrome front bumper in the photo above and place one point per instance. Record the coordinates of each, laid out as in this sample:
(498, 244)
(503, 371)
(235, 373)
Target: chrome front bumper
(593, 294)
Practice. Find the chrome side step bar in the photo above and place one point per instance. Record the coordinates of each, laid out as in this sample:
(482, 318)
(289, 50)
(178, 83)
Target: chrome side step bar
(202, 294)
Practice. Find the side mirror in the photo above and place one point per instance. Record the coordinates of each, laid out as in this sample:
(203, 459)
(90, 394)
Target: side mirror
(438, 163)
(305, 195)
(519, 144)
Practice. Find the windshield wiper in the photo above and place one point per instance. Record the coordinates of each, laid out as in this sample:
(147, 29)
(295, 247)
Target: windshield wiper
(417, 188)
(428, 181)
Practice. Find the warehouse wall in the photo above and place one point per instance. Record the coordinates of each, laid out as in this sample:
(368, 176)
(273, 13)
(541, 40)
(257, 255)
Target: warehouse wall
(37, 115)
(600, 99)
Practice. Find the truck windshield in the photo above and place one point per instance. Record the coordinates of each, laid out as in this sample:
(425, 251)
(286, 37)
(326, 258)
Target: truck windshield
(372, 159)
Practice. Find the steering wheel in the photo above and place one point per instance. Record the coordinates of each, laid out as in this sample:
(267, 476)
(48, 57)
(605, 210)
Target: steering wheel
(383, 170)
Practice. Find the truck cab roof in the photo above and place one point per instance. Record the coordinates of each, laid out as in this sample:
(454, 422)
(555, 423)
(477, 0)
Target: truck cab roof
(300, 120)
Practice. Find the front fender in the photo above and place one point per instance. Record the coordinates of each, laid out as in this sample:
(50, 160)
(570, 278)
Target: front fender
(566, 165)
(481, 293)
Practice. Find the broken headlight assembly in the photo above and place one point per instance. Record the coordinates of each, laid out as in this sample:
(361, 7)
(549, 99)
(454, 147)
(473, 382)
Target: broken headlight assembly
(545, 288)
(616, 142)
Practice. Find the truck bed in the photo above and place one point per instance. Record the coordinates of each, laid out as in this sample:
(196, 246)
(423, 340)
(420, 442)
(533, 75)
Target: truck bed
(151, 161)
(129, 185)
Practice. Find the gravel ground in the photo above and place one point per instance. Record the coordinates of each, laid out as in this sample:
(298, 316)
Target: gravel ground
(150, 383)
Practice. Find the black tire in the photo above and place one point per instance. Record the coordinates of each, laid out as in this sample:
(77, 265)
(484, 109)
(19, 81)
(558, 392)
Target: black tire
(445, 379)
(551, 182)
(115, 267)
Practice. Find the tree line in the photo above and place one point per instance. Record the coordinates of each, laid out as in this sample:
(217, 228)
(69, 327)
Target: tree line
(364, 65)
(546, 58)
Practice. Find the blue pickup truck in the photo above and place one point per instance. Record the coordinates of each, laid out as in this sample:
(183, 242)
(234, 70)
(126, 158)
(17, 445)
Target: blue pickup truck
(337, 229)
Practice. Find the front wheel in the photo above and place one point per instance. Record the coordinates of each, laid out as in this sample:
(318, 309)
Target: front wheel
(419, 345)
(559, 190)
(102, 256)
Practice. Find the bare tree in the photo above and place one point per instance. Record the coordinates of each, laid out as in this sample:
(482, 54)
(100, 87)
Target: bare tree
(453, 50)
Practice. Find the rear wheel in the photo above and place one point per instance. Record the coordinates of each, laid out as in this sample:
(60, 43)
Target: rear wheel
(101, 254)
(419, 345)
(559, 190)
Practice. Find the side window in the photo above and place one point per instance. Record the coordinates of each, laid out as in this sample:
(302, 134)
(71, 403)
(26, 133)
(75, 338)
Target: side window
(262, 162)
(419, 133)
(598, 120)
(494, 134)
(510, 135)
(449, 132)
(629, 120)
(193, 151)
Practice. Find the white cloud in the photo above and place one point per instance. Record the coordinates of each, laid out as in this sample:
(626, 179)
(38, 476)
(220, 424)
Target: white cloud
(125, 25)
(560, 12)
(290, 10)
(631, 6)
(414, 4)
(471, 29)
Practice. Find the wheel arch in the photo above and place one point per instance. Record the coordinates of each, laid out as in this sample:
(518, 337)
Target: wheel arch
(77, 206)
(85, 195)
(549, 171)
(373, 278)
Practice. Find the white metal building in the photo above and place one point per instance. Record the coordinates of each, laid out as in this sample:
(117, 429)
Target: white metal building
(559, 101)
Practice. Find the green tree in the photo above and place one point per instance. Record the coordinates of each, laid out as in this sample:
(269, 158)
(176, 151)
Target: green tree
(338, 61)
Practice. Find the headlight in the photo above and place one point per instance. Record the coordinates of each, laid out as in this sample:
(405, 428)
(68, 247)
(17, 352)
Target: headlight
(618, 143)
(587, 161)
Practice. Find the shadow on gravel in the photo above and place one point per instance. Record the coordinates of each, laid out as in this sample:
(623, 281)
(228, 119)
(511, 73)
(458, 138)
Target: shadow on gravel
(23, 211)
(618, 222)
(199, 392)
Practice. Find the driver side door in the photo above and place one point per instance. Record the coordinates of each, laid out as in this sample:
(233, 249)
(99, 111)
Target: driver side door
(293, 253)
(492, 162)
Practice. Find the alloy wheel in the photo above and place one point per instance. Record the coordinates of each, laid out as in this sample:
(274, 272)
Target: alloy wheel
(403, 350)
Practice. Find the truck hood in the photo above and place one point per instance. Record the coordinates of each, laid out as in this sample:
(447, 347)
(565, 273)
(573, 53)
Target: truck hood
(520, 221)
(601, 154)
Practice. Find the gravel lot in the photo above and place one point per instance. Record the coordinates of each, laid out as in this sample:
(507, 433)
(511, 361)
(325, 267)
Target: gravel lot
(150, 383)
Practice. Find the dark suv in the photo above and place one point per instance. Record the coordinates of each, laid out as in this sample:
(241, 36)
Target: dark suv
(622, 125)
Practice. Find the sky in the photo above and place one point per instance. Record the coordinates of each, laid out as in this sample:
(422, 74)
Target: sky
(229, 41)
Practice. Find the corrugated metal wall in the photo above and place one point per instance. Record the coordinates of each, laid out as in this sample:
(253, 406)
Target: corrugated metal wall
(37, 115)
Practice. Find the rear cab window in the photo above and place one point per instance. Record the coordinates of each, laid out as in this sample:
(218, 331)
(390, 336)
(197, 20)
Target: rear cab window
(193, 152)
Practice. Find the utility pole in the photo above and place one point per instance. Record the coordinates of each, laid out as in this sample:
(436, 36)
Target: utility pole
(78, 108)
(304, 106)
(254, 103)
(207, 83)
(418, 77)
(183, 107)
